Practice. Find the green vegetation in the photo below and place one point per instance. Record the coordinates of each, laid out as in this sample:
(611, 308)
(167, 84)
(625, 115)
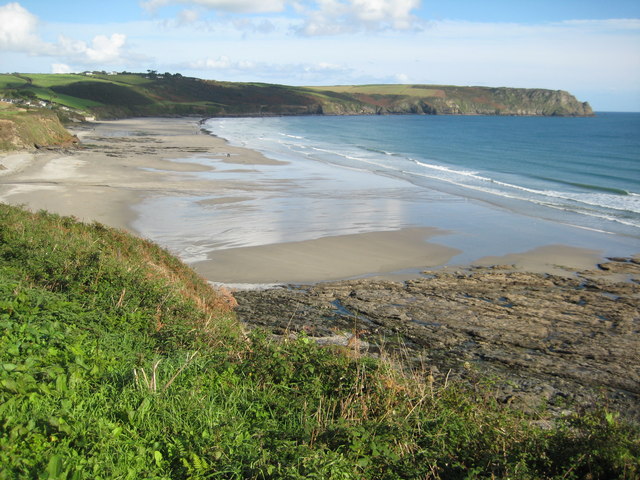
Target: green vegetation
(117, 361)
(398, 90)
(31, 128)
(136, 94)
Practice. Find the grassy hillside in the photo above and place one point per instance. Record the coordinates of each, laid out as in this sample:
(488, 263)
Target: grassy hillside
(128, 94)
(31, 128)
(117, 361)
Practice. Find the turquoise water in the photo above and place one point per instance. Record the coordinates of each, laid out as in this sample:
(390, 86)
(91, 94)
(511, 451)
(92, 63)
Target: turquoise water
(578, 171)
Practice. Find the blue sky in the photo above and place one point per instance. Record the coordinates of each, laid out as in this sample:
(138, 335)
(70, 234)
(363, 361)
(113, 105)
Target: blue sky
(589, 47)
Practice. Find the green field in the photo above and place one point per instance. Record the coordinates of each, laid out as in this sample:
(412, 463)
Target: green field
(397, 90)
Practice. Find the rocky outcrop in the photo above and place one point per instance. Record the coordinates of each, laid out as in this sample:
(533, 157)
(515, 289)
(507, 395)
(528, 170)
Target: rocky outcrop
(569, 341)
(514, 101)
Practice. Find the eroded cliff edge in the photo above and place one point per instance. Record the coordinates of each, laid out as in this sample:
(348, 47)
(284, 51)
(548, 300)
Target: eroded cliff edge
(22, 129)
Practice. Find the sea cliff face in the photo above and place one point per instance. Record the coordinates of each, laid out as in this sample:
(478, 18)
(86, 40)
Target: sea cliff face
(436, 100)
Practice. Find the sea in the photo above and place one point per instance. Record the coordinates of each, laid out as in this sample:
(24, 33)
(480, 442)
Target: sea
(582, 171)
(492, 184)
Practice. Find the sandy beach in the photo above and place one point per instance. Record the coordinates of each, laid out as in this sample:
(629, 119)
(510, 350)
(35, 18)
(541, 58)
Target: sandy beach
(138, 174)
(120, 163)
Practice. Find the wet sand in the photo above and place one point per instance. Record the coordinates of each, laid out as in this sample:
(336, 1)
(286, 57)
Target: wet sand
(130, 170)
(119, 164)
(328, 258)
(125, 162)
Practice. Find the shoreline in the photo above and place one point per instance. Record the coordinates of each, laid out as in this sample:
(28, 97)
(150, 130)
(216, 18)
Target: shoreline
(554, 322)
(128, 171)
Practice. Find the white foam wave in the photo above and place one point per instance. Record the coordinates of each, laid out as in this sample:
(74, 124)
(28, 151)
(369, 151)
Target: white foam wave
(297, 137)
(623, 203)
(466, 173)
(470, 179)
(547, 202)
(354, 158)
(609, 206)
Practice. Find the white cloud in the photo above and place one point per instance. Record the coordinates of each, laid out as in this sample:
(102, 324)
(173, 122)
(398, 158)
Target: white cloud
(315, 17)
(263, 27)
(221, 63)
(18, 30)
(18, 33)
(331, 17)
(61, 68)
(188, 16)
(102, 50)
(234, 6)
(619, 24)
(396, 12)
(243, 6)
(273, 70)
(324, 67)
(106, 49)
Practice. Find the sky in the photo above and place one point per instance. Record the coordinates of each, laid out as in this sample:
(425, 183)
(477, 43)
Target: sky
(590, 48)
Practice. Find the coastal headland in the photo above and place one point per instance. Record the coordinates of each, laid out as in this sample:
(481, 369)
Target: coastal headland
(556, 323)
(117, 95)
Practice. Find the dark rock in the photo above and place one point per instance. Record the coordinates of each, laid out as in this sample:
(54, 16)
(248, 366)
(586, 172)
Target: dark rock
(545, 338)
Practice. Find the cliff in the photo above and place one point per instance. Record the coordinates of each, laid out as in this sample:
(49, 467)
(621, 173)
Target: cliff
(22, 129)
(452, 100)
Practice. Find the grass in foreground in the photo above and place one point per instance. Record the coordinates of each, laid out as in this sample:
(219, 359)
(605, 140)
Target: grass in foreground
(117, 361)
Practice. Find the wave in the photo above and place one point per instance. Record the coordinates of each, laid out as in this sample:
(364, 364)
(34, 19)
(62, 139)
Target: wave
(601, 198)
(595, 214)
(585, 186)
(544, 203)
(610, 198)
(466, 173)
(621, 203)
(377, 150)
(355, 158)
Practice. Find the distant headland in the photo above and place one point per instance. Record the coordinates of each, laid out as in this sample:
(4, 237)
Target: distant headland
(106, 95)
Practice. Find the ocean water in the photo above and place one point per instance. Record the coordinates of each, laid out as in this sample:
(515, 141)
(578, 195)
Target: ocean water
(580, 172)
(489, 185)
